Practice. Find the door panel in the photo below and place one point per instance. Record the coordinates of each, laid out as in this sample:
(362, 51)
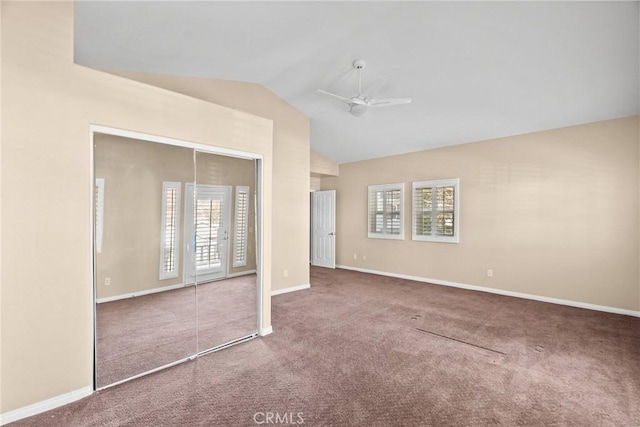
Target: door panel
(323, 213)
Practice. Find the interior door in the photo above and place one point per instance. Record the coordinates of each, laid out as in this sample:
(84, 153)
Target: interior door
(207, 227)
(323, 228)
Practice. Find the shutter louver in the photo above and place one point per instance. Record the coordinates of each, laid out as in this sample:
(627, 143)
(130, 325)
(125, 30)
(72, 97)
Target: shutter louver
(241, 227)
(170, 229)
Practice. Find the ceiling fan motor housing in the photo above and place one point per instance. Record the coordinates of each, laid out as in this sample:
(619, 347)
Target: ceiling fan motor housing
(359, 64)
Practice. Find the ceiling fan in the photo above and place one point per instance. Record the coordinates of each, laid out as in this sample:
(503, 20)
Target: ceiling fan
(360, 104)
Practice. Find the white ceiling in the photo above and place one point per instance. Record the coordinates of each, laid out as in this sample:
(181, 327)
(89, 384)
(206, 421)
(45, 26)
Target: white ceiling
(475, 70)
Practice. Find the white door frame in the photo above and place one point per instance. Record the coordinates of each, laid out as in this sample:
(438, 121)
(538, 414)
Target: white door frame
(323, 228)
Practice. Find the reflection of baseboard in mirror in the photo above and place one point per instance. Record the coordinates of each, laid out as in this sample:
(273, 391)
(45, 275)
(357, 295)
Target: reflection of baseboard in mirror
(164, 288)
(139, 294)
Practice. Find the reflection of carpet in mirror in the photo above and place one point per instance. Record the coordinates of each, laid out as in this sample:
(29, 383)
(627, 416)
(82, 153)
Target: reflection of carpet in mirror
(138, 334)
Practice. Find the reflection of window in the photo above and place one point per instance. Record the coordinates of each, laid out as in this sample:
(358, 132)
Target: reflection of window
(385, 211)
(435, 210)
(208, 225)
(99, 212)
(170, 229)
(241, 227)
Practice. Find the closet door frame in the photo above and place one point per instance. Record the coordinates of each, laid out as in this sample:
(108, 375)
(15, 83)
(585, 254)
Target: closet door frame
(258, 158)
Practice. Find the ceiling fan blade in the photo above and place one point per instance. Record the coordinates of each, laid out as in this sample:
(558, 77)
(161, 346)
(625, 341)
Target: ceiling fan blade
(338, 97)
(388, 102)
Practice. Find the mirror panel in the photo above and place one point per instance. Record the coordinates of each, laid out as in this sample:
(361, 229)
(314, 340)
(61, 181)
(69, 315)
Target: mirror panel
(225, 249)
(145, 309)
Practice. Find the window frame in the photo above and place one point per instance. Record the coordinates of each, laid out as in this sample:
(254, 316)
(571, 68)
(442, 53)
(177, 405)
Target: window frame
(241, 189)
(433, 184)
(371, 189)
(170, 274)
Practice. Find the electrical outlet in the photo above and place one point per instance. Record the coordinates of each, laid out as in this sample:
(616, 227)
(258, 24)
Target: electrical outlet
(285, 273)
(107, 281)
(364, 257)
(489, 273)
(355, 256)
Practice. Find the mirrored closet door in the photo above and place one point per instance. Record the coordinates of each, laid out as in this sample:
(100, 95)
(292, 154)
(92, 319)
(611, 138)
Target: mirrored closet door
(145, 316)
(224, 249)
(175, 255)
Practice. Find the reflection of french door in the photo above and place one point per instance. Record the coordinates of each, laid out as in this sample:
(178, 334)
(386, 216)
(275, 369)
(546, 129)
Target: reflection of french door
(206, 232)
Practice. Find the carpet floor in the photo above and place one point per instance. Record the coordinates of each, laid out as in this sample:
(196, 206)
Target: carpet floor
(364, 350)
(136, 335)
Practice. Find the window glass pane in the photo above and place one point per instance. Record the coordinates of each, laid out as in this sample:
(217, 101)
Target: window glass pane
(379, 223)
(448, 198)
(427, 199)
(208, 222)
(444, 224)
(379, 195)
(426, 224)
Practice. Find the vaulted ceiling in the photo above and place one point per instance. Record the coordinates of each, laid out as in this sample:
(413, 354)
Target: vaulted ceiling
(475, 70)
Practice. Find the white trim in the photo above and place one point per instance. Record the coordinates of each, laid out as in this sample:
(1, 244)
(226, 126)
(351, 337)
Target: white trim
(240, 273)
(551, 300)
(170, 141)
(266, 331)
(291, 289)
(45, 405)
(140, 293)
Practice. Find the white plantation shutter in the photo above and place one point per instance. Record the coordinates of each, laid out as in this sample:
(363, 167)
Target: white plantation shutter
(99, 212)
(241, 227)
(169, 235)
(435, 213)
(385, 216)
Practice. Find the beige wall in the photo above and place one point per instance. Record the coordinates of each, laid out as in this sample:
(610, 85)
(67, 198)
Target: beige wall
(134, 171)
(291, 163)
(553, 213)
(322, 165)
(48, 104)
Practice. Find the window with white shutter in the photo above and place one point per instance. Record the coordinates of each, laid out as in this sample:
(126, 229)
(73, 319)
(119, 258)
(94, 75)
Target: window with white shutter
(436, 211)
(169, 236)
(385, 219)
(241, 227)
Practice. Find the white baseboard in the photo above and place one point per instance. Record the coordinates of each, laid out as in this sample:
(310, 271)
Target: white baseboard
(45, 405)
(291, 289)
(139, 294)
(241, 273)
(559, 301)
(265, 331)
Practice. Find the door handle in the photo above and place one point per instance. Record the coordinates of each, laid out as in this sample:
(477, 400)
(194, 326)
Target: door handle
(331, 234)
